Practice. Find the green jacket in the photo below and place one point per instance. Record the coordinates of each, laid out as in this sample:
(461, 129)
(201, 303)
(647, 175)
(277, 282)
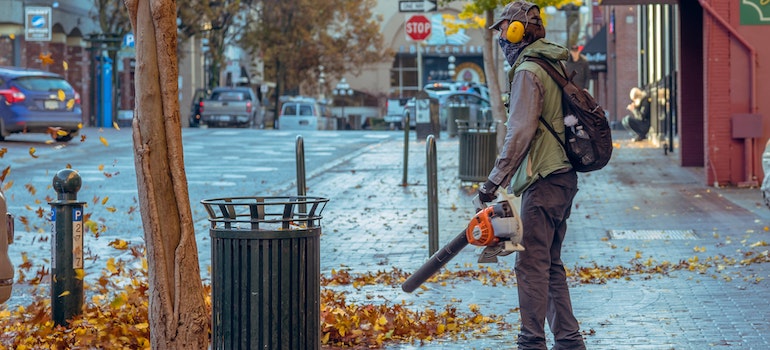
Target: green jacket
(530, 151)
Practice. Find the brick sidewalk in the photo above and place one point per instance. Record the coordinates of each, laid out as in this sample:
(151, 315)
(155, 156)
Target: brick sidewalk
(642, 208)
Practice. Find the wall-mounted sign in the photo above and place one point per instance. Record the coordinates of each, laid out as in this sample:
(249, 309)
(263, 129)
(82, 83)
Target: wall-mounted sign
(755, 12)
(37, 23)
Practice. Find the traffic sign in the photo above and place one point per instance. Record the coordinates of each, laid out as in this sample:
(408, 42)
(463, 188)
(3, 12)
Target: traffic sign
(37, 23)
(417, 27)
(417, 6)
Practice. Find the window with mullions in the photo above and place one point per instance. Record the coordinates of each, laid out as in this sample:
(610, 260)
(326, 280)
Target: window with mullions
(403, 76)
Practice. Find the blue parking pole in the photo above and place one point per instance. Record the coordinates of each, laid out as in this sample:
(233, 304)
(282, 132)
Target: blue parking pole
(67, 250)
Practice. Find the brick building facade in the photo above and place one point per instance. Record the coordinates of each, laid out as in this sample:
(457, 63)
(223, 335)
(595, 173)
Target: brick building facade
(720, 122)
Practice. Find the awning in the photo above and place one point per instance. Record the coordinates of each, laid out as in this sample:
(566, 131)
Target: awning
(596, 51)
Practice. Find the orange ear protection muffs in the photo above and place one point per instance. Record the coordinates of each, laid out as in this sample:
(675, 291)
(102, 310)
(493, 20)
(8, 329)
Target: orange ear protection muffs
(515, 32)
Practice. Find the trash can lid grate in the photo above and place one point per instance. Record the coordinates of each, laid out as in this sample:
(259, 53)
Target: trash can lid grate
(265, 213)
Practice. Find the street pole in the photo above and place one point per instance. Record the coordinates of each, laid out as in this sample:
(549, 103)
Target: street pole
(419, 66)
(67, 252)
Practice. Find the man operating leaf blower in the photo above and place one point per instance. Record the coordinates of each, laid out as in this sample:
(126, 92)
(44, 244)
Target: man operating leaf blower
(534, 164)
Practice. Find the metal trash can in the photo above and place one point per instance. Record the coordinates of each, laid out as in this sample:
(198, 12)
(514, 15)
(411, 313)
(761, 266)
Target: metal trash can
(455, 112)
(265, 272)
(478, 150)
(354, 120)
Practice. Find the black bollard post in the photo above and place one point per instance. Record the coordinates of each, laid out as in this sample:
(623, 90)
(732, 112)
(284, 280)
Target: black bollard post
(67, 252)
(301, 177)
(432, 169)
(406, 151)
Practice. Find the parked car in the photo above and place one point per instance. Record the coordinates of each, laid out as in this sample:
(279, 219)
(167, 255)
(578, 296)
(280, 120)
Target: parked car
(394, 115)
(35, 101)
(231, 106)
(196, 105)
(475, 103)
(304, 113)
(437, 87)
(478, 105)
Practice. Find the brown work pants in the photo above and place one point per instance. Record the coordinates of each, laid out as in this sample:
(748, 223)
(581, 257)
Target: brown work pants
(540, 274)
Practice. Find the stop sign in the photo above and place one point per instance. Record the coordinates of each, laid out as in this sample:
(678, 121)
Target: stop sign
(417, 27)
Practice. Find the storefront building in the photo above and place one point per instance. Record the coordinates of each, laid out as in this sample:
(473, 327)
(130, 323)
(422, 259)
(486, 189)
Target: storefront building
(699, 61)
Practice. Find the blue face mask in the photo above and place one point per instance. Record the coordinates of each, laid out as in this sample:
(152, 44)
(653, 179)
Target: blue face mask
(511, 50)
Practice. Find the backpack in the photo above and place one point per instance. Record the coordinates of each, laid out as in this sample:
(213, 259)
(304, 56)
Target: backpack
(588, 135)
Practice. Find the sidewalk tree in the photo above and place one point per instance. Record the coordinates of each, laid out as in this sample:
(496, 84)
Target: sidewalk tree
(210, 19)
(111, 16)
(216, 21)
(177, 313)
(486, 9)
(295, 37)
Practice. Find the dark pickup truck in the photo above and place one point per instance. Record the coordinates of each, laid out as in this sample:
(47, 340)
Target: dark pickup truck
(230, 106)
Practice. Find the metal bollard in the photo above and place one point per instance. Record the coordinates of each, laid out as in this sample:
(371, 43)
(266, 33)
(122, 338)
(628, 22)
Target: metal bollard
(432, 170)
(406, 150)
(67, 250)
(301, 178)
(6, 238)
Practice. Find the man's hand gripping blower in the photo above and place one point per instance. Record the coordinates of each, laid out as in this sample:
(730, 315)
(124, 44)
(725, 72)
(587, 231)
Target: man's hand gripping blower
(496, 227)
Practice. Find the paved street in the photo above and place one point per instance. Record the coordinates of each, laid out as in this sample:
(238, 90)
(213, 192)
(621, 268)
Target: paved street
(219, 162)
(643, 208)
(641, 212)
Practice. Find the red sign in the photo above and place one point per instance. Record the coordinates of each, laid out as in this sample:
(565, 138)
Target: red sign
(417, 27)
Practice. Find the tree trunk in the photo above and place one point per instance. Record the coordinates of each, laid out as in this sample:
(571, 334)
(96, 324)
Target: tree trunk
(493, 81)
(177, 312)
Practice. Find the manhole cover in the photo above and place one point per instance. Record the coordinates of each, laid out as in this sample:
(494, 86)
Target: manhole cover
(652, 234)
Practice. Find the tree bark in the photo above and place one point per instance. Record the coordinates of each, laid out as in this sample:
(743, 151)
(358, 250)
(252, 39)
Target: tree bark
(177, 313)
(493, 83)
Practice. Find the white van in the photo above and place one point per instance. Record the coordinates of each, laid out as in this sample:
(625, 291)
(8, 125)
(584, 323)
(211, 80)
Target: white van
(300, 114)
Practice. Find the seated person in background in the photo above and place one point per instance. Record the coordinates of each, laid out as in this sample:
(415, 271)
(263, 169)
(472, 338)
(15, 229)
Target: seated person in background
(638, 121)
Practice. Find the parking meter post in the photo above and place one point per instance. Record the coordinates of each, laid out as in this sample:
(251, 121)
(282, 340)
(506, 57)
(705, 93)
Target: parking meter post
(432, 170)
(406, 150)
(301, 180)
(67, 252)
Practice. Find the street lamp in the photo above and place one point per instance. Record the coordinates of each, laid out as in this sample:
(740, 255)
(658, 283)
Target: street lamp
(451, 67)
(343, 89)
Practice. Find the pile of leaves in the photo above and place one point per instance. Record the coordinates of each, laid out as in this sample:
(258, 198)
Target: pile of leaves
(116, 306)
(115, 311)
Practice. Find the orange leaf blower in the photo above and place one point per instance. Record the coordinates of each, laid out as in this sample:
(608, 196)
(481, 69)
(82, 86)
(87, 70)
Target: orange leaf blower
(497, 228)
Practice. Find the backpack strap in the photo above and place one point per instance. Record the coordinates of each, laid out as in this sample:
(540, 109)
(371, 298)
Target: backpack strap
(555, 75)
(553, 132)
(561, 81)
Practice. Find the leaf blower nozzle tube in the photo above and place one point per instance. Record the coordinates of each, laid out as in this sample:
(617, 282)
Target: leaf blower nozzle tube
(436, 262)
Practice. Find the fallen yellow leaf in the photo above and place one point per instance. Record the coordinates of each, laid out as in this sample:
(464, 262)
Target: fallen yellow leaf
(111, 265)
(119, 244)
